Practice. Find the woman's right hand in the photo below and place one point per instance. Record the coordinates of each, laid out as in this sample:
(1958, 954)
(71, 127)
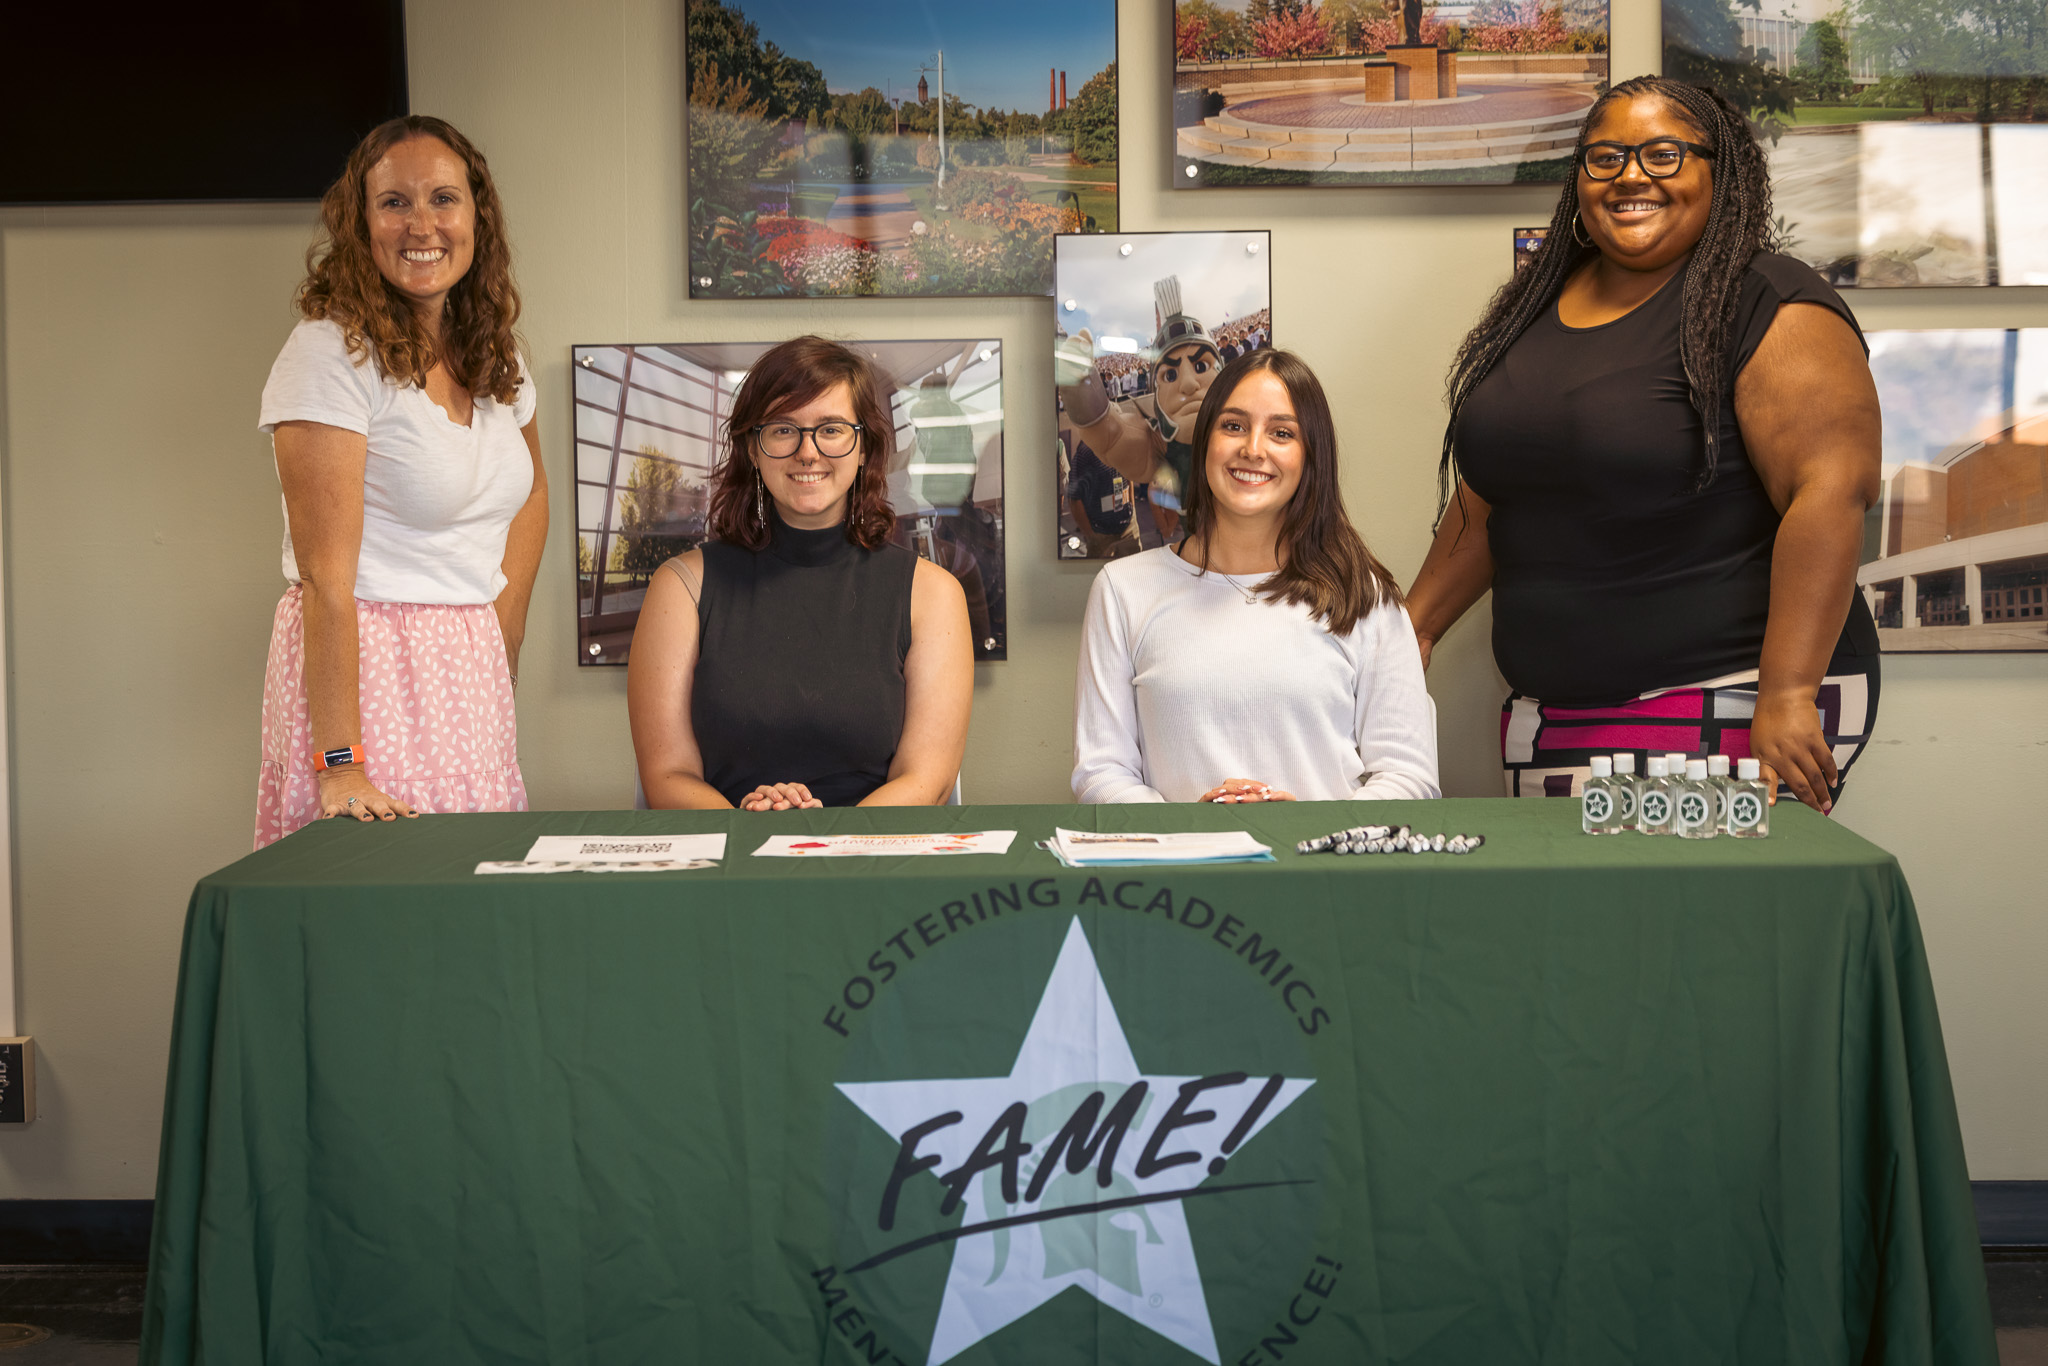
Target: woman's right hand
(339, 785)
(780, 797)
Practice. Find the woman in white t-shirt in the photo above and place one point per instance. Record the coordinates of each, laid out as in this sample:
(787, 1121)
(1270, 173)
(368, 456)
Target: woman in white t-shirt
(1266, 657)
(415, 503)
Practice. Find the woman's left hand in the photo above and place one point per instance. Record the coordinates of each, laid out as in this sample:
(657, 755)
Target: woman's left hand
(780, 797)
(1786, 737)
(1245, 790)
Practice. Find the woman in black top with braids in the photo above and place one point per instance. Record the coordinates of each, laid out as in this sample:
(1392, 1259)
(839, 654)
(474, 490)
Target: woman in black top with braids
(800, 659)
(1663, 439)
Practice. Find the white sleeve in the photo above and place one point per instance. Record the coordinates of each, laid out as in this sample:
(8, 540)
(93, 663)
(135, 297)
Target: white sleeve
(1396, 718)
(314, 379)
(525, 400)
(1109, 762)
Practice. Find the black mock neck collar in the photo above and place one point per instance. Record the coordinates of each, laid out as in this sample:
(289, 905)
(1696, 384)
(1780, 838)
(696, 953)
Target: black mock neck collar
(806, 549)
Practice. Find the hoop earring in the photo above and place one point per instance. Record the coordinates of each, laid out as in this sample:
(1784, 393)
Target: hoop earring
(1577, 228)
(760, 501)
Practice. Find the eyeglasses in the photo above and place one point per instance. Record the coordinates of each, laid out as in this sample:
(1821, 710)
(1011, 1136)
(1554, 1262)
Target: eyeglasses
(833, 440)
(1660, 158)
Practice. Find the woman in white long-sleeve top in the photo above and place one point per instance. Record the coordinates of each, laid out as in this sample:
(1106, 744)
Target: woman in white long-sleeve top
(1266, 657)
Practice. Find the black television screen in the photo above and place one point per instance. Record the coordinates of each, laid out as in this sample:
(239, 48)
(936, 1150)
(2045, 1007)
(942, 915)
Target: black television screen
(134, 102)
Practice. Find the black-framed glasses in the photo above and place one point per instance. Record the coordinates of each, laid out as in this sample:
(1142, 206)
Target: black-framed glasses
(833, 440)
(1660, 158)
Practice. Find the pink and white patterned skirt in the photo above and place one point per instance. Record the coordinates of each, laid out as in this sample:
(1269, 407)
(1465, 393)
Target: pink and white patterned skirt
(439, 731)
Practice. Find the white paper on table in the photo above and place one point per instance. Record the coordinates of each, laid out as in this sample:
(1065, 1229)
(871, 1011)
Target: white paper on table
(1085, 849)
(669, 865)
(624, 848)
(892, 846)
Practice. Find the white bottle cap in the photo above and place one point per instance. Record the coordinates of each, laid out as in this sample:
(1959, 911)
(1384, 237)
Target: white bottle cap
(1624, 763)
(1696, 770)
(1717, 765)
(1603, 767)
(1660, 766)
(1677, 762)
(1749, 770)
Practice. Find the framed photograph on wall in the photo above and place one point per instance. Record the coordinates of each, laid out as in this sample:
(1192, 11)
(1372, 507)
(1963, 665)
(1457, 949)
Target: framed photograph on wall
(895, 147)
(1908, 142)
(1142, 323)
(649, 439)
(1382, 92)
(1956, 552)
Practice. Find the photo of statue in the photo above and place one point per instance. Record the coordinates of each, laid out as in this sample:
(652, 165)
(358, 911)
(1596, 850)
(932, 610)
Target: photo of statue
(1144, 321)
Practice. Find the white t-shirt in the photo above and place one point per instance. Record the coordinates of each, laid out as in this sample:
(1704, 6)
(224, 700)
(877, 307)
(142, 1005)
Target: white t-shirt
(438, 499)
(1183, 683)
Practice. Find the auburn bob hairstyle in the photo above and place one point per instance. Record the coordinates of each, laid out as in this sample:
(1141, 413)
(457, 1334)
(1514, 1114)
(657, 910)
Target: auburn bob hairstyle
(787, 377)
(479, 344)
(1324, 564)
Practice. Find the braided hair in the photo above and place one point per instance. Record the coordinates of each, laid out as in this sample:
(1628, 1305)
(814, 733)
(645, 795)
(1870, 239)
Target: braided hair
(1738, 227)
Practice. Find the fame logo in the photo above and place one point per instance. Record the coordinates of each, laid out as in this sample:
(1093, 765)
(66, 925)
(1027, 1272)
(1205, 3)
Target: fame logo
(1745, 809)
(1080, 1168)
(1599, 806)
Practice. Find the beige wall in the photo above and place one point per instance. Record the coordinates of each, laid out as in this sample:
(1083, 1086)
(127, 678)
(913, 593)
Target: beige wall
(142, 529)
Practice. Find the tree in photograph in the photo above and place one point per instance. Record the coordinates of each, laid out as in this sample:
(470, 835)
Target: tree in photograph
(1092, 119)
(1301, 33)
(1346, 18)
(731, 43)
(1226, 32)
(1703, 44)
(1388, 26)
(1192, 41)
(731, 138)
(1822, 72)
(659, 509)
(1256, 12)
(1518, 26)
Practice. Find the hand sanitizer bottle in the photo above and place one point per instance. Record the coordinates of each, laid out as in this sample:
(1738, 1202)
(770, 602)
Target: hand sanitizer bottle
(1626, 785)
(1718, 779)
(1749, 802)
(1692, 803)
(1653, 799)
(1599, 810)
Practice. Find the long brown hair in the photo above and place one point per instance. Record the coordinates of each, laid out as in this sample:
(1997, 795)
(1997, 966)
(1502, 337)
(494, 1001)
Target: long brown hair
(1325, 565)
(788, 376)
(479, 344)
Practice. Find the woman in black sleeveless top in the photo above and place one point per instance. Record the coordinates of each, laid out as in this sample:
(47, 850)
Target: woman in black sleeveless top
(1667, 439)
(799, 659)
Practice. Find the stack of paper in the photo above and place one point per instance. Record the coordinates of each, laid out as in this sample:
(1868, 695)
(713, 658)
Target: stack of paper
(614, 854)
(1081, 849)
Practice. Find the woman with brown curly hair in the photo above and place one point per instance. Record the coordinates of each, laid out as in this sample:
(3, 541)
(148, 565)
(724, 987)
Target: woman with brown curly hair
(415, 503)
(799, 659)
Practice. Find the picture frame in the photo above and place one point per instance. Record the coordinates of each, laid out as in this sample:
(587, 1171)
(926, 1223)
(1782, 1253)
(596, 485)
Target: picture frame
(894, 148)
(649, 440)
(1382, 92)
(1143, 323)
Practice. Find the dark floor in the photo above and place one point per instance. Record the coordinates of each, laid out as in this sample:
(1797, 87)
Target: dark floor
(92, 1316)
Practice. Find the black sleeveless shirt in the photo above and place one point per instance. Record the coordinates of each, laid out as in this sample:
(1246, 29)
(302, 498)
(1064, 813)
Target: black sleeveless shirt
(1612, 577)
(800, 664)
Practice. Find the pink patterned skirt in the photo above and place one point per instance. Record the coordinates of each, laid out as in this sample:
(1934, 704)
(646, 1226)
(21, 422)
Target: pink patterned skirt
(438, 726)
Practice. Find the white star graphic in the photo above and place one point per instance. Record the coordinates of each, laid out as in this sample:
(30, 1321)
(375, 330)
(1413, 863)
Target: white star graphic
(1137, 1258)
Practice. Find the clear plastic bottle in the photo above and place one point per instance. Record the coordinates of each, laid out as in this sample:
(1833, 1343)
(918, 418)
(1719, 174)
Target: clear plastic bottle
(1677, 763)
(1599, 807)
(1626, 785)
(1653, 799)
(1749, 802)
(1692, 803)
(1717, 776)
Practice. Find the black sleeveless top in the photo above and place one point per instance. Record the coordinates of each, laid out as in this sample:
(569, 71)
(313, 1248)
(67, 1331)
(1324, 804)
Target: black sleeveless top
(800, 664)
(1612, 577)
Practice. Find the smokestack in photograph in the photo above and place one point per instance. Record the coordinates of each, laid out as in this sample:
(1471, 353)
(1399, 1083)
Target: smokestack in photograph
(1052, 91)
(1063, 90)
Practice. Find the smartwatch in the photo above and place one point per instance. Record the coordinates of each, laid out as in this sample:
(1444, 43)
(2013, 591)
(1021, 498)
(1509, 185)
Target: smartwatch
(335, 758)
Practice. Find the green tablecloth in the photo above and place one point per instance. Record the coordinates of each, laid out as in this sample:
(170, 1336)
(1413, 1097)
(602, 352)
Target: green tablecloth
(1565, 1100)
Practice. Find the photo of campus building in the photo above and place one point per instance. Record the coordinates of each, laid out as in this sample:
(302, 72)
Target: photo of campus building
(893, 148)
(649, 440)
(1957, 549)
(1360, 92)
(1908, 142)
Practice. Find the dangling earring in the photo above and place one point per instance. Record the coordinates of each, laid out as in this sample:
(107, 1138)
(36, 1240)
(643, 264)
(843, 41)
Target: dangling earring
(760, 501)
(1577, 229)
